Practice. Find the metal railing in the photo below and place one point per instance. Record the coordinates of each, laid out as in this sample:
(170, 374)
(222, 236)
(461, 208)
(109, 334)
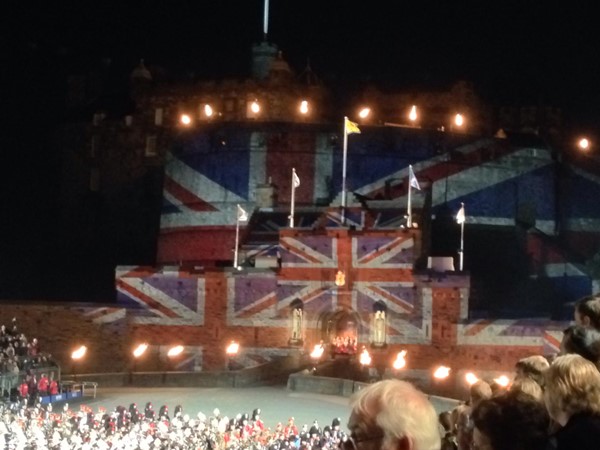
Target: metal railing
(8, 381)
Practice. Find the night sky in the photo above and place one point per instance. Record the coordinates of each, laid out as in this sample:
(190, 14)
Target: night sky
(514, 52)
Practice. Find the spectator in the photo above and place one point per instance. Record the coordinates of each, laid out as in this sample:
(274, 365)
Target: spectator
(532, 367)
(511, 421)
(587, 311)
(392, 414)
(43, 385)
(572, 397)
(24, 390)
(10, 351)
(449, 441)
(53, 386)
(528, 386)
(480, 390)
(583, 341)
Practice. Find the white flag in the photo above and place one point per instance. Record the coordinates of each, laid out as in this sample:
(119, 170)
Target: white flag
(295, 178)
(242, 215)
(460, 215)
(412, 179)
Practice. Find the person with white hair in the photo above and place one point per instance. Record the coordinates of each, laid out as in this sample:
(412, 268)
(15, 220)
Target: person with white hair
(392, 414)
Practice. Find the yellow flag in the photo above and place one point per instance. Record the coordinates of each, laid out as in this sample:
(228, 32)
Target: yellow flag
(351, 127)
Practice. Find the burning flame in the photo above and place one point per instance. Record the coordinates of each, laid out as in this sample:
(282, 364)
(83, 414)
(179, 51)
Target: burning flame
(174, 351)
(441, 372)
(471, 378)
(233, 348)
(400, 361)
(140, 350)
(365, 358)
(79, 353)
(502, 380)
(413, 113)
(317, 351)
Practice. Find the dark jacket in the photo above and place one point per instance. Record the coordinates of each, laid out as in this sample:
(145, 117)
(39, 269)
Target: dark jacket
(581, 432)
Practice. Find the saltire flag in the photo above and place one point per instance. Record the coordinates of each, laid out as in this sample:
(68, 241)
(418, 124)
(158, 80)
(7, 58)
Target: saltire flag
(412, 179)
(460, 215)
(296, 179)
(351, 127)
(242, 215)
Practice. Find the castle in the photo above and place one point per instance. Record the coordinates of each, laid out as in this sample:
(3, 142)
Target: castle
(524, 206)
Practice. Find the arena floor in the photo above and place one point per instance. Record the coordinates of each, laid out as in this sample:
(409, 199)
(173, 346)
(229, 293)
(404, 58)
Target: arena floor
(277, 404)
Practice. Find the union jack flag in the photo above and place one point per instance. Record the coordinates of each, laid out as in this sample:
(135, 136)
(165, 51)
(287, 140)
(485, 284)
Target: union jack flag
(162, 298)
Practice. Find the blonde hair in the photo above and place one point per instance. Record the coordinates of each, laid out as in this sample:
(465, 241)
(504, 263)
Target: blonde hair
(534, 367)
(528, 386)
(401, 411)
(480, 390)
(572, 386)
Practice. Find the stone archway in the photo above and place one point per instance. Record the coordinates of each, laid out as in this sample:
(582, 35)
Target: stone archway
(340, 331)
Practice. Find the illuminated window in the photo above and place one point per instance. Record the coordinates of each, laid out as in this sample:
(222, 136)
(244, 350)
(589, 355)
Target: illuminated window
(207, 111)
(303, 107)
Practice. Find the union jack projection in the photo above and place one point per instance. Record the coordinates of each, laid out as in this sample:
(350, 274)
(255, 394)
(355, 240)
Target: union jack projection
(209, 172)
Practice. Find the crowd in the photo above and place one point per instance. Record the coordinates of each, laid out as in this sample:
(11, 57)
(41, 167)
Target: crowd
(23, 373)
(17, 352)
(551, 403)
(38, 427)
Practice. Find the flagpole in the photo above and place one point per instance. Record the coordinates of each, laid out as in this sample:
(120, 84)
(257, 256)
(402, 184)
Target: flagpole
(293, 199)
(409, 205)
(344, 171)
(237, 236)
(462, 242)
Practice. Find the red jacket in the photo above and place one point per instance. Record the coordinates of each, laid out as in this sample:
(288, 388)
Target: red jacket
(24, 389)
(43, 384)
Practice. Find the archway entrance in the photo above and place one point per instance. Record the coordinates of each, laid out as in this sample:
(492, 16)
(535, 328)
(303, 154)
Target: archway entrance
(340, 332)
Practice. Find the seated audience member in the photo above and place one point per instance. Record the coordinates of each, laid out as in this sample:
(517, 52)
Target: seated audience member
(587, 311)
(528, 386)
(511, 421)
(532, 367)
(583, 341)
(572, 397)
(392, 414)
